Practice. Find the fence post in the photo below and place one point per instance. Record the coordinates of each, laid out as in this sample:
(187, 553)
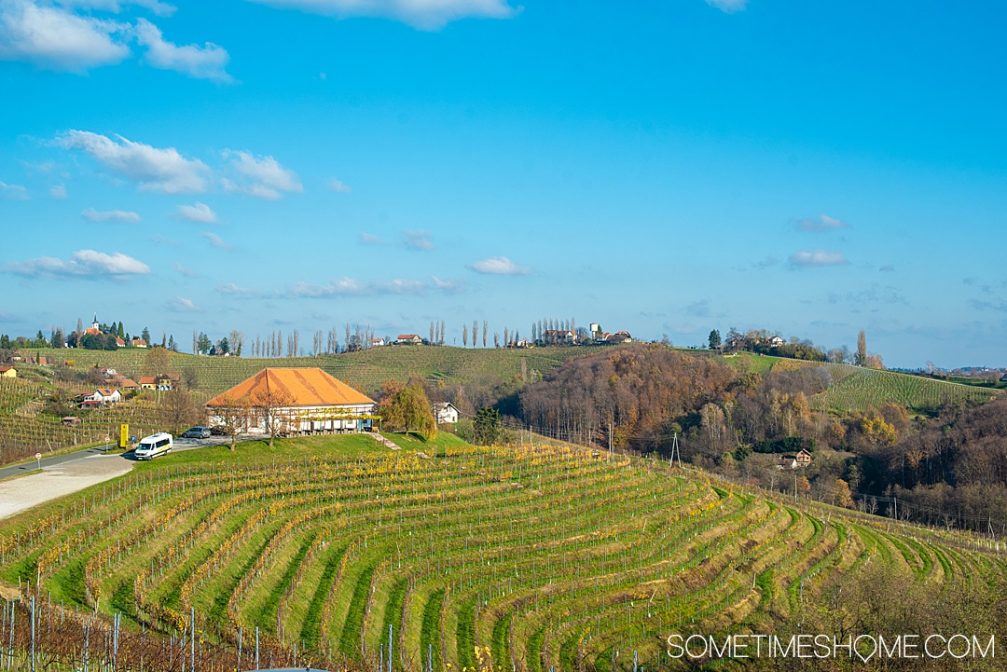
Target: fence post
(256, 647)
(33, 633)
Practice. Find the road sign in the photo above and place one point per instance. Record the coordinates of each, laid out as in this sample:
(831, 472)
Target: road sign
(124, 435)
(38, 460)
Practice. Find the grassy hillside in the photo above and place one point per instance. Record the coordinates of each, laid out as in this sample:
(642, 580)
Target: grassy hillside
(855, 388)
(525, 559)
(367, 370)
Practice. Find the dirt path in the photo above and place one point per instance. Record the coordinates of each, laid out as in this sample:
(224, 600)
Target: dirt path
(55, 481)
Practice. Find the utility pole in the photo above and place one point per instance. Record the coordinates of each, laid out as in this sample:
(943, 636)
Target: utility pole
(675, 451)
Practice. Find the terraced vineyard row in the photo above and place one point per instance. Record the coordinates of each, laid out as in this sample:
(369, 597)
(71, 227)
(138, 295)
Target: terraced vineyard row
(526, 559)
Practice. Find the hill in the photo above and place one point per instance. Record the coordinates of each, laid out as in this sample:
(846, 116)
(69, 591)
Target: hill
(855, 388)
(527, 558)
(366, 370)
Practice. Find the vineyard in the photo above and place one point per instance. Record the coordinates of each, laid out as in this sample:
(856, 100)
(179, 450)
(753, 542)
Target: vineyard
(336, 551)
(366, 370)
(25, 429)
(856, 389)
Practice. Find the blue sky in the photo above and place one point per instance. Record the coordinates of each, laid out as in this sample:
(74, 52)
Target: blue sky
(682, 165)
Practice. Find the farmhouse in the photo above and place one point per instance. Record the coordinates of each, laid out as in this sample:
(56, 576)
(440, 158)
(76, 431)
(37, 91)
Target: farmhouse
(128, 384)
(798, 461)
(148, 383)
(139, 343)
(104, 395)
(8, 372)
(297, 400)
(408, 339)
(377, 342)
(446, 413)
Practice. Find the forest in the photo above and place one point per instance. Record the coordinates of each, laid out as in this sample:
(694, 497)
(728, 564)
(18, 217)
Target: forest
(945, 468)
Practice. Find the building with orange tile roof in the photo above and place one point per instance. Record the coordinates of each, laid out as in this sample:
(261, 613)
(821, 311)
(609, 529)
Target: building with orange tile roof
(308, 400)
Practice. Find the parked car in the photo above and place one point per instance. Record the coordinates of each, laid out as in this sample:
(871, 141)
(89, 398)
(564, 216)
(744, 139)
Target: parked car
(153, 445)
(196, 433)
(218, 430)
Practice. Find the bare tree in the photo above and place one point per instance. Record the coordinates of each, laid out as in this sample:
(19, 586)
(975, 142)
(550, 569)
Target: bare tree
(233, 416)
(180, 410)
(272, 407)
(475, 333)
(465, 335)
(486, 328)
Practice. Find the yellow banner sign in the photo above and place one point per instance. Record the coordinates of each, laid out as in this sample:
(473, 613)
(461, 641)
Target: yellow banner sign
(124, 435)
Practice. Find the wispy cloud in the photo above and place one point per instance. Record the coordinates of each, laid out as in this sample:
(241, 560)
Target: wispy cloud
(81, 263)
(233, 289)
(110, 216)
(262, 176)
(370, 239)
(812, 258)
(155, 6)
(354, 287)
(422, 14)
(417, 240)
(498, 266)
(820, 224)
(180, 304)
(14, 192)
(58, 191)
(55, 38)
(202, 62)
(216, 241)
(185, 271)
(198, 212)
(339, 186)
(728, 6)
(154, 168)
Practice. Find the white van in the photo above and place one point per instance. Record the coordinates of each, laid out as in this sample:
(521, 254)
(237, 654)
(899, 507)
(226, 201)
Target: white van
(153, 445)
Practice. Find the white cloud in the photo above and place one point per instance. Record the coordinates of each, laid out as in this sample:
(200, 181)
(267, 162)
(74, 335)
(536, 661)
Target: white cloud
(154, 6)
(58, 191)
(198, 212)
(339, 186)
(417, 240)
(206, 62)
(821, 223)
(806, 258)
(728, 6)
(354, 287)
(422, 14)
(265, 177)
(233, 289)
(155, 168)
(180, 304)
(111, 216)
(81, 263)
(216, 241)
(497, 266)
(55, 38)
(370, 239)
(14, 192)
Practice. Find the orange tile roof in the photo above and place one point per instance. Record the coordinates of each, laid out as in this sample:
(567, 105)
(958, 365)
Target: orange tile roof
(147, 380)
(303, 386)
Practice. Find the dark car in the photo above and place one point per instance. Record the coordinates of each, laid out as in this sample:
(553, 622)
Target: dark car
(218, 430)
(196, 433)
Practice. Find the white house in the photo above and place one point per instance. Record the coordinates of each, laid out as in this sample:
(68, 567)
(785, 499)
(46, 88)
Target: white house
(446, 413)
(408, 339)
(299, 400)
(103, 395)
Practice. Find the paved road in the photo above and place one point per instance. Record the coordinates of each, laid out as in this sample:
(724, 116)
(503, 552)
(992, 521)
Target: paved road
(65, 474)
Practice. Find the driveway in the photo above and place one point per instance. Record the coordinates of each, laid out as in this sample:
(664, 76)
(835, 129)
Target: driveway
(66, 474)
